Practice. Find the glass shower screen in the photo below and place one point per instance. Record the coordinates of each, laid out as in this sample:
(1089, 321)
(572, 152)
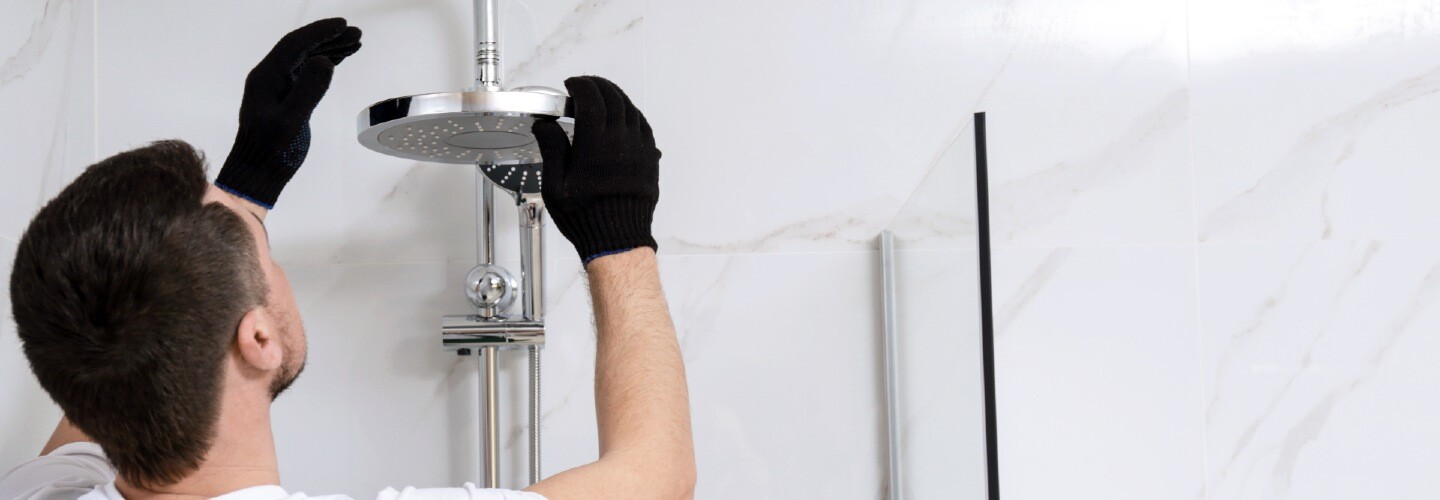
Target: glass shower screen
(936, 331)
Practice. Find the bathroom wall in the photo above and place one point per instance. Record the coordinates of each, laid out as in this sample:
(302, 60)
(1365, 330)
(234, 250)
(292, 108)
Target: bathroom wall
(773, 312)
(47, 133)
(1231, 293)
(1318, 266)
(1215, 261)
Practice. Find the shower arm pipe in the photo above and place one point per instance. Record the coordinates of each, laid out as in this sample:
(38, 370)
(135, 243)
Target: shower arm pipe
(487, 45)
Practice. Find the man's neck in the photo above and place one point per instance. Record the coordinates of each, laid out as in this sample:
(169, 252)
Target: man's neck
(242, 455)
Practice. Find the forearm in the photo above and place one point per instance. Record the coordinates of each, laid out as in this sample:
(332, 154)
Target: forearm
(641, 400)
(601, 190)
(641, 403)
(65, 433)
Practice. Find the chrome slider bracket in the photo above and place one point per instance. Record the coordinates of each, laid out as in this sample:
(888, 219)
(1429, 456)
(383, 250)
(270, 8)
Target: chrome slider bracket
(469, 331)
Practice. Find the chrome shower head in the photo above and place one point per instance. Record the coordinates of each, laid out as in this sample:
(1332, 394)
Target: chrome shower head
(487, 126)
(481, 127)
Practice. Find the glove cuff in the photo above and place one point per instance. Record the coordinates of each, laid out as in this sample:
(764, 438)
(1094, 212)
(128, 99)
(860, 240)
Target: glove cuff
(257, 176)
(608, 226)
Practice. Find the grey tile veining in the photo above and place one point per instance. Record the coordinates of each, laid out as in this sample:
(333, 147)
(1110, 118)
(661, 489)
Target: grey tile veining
(1306, 430)
(44, 90)
(1317, 331)
(577, 27)
(1015, 303)
(1299, 182)
(1146, 143)
(29, 53)
(1235, 345)
(855, 225)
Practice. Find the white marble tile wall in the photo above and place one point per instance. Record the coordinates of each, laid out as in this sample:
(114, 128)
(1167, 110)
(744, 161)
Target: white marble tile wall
(1315, 180)
(47, 125)
(377, 247)
(1215, 263)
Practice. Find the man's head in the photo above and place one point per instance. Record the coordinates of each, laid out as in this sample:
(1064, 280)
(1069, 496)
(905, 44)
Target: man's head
(145, 298)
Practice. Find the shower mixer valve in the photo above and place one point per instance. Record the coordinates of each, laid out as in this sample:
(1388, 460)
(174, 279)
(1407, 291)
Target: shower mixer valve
(491, 289)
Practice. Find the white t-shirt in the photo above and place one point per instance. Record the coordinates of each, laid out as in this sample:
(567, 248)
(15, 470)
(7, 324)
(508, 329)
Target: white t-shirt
(81, 471)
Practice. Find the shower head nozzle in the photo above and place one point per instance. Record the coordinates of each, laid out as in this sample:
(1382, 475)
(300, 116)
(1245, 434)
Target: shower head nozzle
(486, 128)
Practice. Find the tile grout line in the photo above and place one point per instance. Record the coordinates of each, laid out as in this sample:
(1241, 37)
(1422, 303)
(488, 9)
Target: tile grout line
(94, 82)
(1195, 261)
(549, 260)
(858, 250)
(645, 53)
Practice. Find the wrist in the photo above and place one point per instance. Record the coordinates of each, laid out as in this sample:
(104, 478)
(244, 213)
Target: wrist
(242, 201)
(592, 257)
(621, 260)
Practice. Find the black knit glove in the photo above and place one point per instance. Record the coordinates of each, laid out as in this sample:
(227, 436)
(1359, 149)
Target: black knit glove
(280, 93)
(601, 190)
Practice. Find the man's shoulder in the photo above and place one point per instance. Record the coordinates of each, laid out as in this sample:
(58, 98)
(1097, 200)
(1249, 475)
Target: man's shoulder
(70, 471)
(80, 470)
(467, 492)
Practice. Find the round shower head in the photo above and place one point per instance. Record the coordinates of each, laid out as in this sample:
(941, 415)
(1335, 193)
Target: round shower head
(486, 128)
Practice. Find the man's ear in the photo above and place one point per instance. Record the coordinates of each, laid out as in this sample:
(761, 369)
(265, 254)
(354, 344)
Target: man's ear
(257, 340)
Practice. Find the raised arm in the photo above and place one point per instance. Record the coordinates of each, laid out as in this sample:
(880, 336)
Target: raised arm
(641, 404)
(602, 191)
(273, 137)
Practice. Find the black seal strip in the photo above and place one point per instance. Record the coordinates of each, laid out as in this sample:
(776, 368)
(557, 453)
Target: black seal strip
(987, 316)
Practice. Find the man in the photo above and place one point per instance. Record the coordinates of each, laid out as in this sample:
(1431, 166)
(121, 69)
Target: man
(150, 310)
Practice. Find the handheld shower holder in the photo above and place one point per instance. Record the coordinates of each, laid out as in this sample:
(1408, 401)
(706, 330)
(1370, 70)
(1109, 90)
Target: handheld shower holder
(467, 333)
(492, 289)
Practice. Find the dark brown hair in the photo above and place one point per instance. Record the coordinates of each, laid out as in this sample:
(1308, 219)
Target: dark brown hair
(127, 290)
